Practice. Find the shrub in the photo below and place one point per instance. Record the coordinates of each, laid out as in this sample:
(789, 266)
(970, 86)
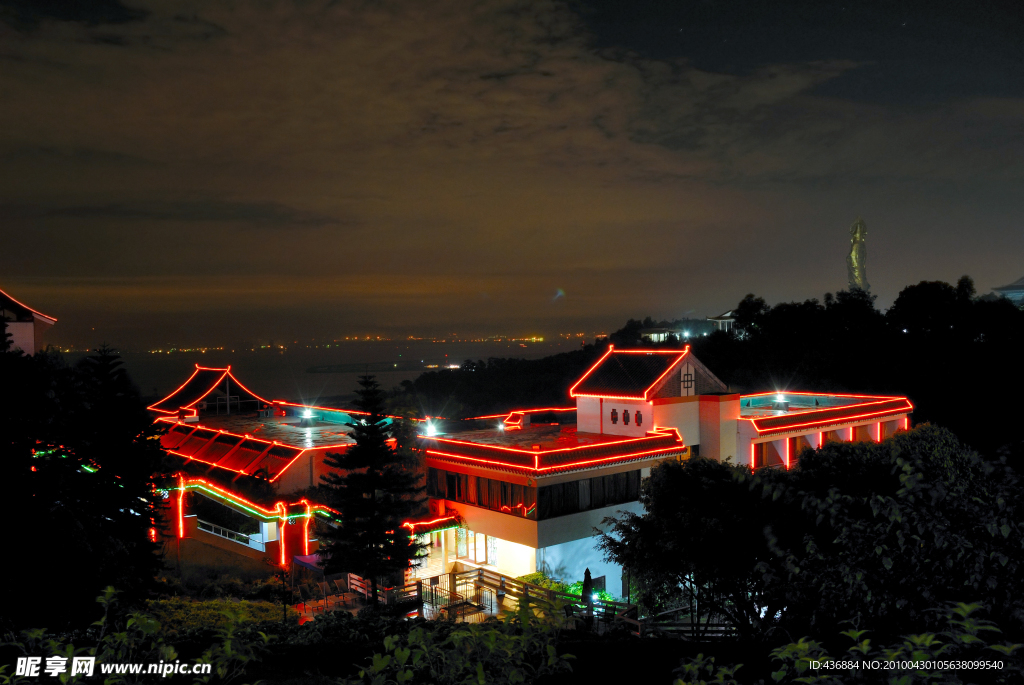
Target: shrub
(918, 659)
(180, 614)
(520, 649)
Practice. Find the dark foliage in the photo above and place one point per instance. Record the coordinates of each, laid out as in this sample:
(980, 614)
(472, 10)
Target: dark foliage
(79, 454)
(883, 531)
(954, 355)
(379, 486)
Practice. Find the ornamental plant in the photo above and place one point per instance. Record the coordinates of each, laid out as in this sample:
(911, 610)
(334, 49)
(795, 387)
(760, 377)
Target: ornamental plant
(517, 650)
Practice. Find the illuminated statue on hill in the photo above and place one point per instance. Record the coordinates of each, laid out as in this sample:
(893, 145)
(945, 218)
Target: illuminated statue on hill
(857, 260)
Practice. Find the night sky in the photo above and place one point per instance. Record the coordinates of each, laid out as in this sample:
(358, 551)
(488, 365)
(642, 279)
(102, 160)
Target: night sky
(204, 172)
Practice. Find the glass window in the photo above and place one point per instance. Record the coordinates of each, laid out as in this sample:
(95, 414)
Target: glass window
(639, 418)
(625, 417)
(492, 550)
(461, 543)
(482, 487)
(615, 415)
(480, 548)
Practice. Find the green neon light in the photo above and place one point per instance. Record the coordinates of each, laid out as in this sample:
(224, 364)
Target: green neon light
(258, 514)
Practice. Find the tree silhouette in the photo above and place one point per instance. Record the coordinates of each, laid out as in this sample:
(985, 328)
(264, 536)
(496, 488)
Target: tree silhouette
(5, 336)
(79, 459)
(376, 489)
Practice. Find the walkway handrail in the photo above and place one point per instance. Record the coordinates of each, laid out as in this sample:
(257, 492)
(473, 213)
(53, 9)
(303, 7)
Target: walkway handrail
(507, 585)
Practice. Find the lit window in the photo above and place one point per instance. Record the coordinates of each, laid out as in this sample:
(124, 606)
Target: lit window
(625, 417)
(639, 418)
(615, 415)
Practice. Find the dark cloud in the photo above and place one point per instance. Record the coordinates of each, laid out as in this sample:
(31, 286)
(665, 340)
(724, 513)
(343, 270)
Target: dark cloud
(27, 15)
(434, 151)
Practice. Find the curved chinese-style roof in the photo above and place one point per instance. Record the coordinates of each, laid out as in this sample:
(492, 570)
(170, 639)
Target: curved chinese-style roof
(627, 374)
(21, 311)
(202, 382)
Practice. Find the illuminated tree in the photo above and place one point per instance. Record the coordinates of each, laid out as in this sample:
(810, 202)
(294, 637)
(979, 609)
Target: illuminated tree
(376, 489)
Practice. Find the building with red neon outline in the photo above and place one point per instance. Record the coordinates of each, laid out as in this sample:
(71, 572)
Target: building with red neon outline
(225, 435)
(532, 485)
(25, 325)
(518, 492)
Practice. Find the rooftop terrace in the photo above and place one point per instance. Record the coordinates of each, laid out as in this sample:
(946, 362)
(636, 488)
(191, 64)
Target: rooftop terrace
(771, 412)
(286, 430)
(547, 449)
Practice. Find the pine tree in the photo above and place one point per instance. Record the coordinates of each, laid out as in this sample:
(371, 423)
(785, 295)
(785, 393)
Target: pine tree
(79, 457)
(376, 489)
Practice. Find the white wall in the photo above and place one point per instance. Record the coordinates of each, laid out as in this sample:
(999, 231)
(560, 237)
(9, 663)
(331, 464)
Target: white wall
(632, 406)
(568, 561)
(516, 560)
(562, 529)
(588, 414)
(681, 413)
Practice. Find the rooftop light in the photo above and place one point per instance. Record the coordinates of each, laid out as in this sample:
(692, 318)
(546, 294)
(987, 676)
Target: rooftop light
(307, 414)
(780, 398)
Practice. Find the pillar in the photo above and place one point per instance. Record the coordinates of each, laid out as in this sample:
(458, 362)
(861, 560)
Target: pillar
(875, 431)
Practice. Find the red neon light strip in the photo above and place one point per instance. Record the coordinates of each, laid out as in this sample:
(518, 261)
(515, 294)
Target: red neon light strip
(287, 466)
(281, 533)
(190, 406)
(671, 366)
(514, 450)
(199, 482)
(242, 386)
(819, 410)
(576, 464)
(305, 527)
(181, 507)
(45, 316)
(823, 422)
(413, 525)
(572, 390)
(195, 373)
(611, 348)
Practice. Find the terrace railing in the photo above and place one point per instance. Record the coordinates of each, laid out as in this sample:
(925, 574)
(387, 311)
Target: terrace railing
(505, 587)
(227, 534)
(463, 595)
